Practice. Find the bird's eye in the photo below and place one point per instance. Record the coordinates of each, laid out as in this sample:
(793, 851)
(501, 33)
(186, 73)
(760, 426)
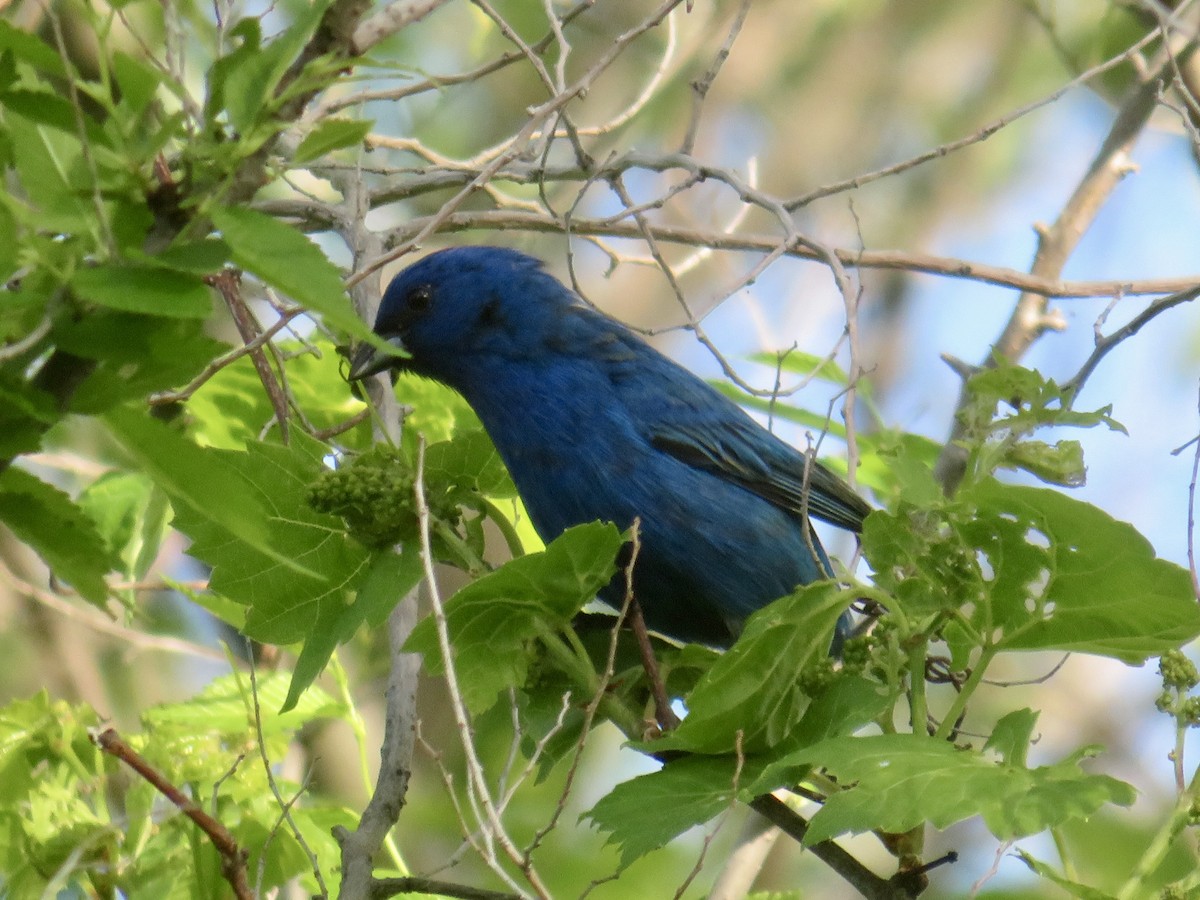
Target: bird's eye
(418, 298)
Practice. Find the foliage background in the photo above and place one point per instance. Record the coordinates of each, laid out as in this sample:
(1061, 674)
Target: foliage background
(808, 96)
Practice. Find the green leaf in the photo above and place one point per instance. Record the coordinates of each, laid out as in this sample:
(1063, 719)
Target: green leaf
(330, 135)
(754, 688)
(137, 80)
(199, 481)
(781, 411)
(28, 48)
(1011, 736)
(848, 704)
(201, 257)
(808, 365)
(1101, 590)
(383, 582)
(141, 289)
(10, 246)
(647, 812)
(285, 259)
(131, 515)
(470, 459)
(225, 706)
(900, 781)
(53, 174)
(285, 604)
(1059, 463)
(492, 619)
(54, 111)
(136, 356)
(231, 408)
(58, 531)
(1074, 888)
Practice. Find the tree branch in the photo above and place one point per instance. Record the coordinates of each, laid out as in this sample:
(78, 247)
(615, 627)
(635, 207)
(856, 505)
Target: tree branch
(233, 857)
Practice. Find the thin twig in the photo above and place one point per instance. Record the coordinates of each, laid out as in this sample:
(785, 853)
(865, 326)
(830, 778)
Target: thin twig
(233, 857)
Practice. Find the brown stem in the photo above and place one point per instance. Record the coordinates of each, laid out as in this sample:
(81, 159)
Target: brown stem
(233, 857)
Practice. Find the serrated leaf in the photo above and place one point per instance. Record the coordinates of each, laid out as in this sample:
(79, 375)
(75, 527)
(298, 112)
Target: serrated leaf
(899, 781)
(383, 582)
(142, 289)
(1104, 590)
(225, 706)
(848, 704)
(57, 530)
(753, 689)
(198, 480)
(491, 619)
(285, 259)
(647, 812)
(285, 604)
(332, 134)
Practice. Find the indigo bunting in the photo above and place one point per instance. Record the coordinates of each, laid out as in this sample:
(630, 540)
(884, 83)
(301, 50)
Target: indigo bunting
(594, 424)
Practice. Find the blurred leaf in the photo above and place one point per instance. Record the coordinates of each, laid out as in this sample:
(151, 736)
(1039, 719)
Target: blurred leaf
(58, 531)
(201, 257)
(136, 355)
(753, 690)
(808, 365)
(140, 289)
(899, 781)
(782, 410)
(331, 134)
(137, 80)
(54, 111)
(53, 175)
(492, 619)
(225, 706)
(28, 48)
(287, 260)
(131, 515)
(646, 812)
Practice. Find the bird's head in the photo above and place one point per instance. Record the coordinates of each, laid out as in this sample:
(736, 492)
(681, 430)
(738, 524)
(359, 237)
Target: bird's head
(457, 304)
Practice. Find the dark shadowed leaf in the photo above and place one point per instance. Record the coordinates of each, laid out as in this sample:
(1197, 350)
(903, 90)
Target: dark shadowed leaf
(491, 620)
(58, 531)
(754, 688)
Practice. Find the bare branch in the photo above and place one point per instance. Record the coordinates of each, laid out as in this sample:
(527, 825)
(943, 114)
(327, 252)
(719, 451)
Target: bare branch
(394, 17)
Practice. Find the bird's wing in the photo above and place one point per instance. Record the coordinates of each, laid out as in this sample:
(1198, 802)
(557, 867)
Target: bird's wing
(687, 418)
(748, 455)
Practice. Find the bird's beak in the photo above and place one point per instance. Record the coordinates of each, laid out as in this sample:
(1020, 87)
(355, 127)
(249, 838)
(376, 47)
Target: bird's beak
(371, 360)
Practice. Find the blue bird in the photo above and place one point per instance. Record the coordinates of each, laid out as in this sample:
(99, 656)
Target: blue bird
(594, 424)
